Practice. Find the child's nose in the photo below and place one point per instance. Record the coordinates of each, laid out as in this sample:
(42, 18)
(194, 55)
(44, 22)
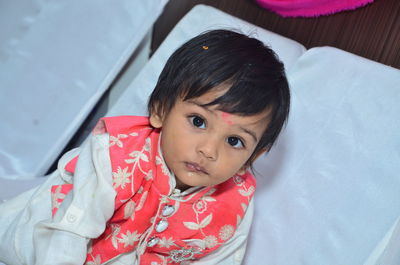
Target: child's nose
(208, 147)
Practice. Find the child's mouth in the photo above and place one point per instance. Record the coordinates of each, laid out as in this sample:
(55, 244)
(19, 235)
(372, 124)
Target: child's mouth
(194, 167)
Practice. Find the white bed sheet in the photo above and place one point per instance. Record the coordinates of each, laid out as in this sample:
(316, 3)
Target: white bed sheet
(56, 60)
(328, 192)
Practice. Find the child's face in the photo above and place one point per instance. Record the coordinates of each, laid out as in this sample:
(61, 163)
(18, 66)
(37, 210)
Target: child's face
(203, 146)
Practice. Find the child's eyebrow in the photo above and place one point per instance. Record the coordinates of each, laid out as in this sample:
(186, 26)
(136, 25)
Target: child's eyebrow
(200, 105)
(251, 133)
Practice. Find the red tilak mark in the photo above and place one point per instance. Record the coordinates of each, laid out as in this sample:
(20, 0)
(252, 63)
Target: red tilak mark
(226, 118)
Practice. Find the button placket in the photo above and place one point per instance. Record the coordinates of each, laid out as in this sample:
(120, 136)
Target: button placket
(176, 193)
(168, 210)
(153, 241)
(162, 225)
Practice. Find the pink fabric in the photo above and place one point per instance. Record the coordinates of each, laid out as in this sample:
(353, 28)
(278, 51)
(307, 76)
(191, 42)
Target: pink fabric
(310, 8)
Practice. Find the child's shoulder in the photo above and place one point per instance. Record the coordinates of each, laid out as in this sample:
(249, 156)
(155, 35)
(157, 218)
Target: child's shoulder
(121, 124)
(126, 121)
(243, 184)
(236, 192)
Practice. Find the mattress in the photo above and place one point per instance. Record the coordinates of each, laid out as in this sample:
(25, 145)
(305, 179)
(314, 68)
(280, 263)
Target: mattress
(57, 58)
(328, 192)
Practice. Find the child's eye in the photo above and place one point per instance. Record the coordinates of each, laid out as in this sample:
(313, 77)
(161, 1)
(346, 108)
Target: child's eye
(198, 122)
(235, 142)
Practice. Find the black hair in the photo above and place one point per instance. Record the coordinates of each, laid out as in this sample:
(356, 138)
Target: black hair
(253, 71)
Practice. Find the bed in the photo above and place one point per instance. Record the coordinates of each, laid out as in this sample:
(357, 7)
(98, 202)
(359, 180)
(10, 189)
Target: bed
(328, 190)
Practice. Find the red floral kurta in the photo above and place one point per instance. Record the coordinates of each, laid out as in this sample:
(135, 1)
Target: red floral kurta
(150, 217)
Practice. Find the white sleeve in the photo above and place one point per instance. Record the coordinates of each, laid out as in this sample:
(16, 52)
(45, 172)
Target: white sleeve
(232, 252)
(85, 212)
(34, 237)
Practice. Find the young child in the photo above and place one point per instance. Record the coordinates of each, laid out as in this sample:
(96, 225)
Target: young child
(171, 188)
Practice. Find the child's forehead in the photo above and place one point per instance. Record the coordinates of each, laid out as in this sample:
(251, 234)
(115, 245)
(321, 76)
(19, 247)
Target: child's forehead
(217, 92)
(227, 117)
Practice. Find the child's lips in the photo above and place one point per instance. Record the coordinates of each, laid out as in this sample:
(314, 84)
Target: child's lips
(194, 167)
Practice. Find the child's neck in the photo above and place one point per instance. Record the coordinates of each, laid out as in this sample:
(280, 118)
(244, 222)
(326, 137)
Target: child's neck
(181, 186)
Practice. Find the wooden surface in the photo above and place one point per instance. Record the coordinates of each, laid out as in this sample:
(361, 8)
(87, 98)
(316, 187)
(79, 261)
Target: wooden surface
(372, 31)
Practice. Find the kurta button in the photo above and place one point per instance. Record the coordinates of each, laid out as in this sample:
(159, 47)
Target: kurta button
(161, 226)
(71, 218)
(176, 192)
(168, 210)
(153, 241)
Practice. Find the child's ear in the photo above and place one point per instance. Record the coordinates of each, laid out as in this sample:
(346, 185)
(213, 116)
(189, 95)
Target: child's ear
(243, 169)
(156, 120)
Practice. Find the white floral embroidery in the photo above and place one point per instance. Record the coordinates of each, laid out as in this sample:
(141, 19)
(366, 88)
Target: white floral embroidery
(121, 177)
(238, 220)
(149, 175)
(238, 180)
(184, 254)
(164, 168)
(196, 226)
(115, 230)
(244, 206)
(208, 199)
(129, 238)
(200, 206)
(226, 232)
(134, 134)
(166, 243)
(129, 210)
(207, 196)
(57, 195)
(124, 200)
(137, 155)
(116, 140)
(142, 200)
(211, 191)
(147, 145)
(96, 261)
(211, 241)
(248, 192)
